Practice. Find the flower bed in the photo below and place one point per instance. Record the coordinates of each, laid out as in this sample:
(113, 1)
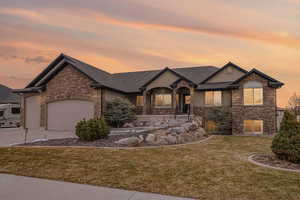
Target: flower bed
(273, 161)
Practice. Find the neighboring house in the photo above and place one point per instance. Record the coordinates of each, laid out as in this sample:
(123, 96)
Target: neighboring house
(69, 90)
(7, 96)
(280, 114)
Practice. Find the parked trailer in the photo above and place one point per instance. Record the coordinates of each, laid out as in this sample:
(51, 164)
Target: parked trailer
(10, 115)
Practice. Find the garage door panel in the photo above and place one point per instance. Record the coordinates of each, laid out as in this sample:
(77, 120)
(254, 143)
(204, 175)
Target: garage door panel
(64, 115)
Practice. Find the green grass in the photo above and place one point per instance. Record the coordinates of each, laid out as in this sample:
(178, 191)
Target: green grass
(216, 169)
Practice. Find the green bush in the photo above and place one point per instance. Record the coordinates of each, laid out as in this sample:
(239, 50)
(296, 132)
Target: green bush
(286, 144)
(222, 117)
(119, 111)
(92, 129)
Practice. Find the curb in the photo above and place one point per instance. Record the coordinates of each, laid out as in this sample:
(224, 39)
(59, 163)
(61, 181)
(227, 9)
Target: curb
(120, 148)
(250, 159)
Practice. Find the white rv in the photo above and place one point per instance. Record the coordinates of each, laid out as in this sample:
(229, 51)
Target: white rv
(10, 115)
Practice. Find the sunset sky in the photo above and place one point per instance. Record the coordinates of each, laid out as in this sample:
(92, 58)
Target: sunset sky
(130, 35)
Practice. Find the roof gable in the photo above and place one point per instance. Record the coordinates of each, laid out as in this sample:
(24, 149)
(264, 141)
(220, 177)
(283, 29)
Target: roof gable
(273, 82)
(180, 76)
(221, 70)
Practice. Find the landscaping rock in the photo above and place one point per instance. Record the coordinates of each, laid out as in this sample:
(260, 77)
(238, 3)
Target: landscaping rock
(178, 130)
(172, 139)
(130, 141)
(128, 125)
(150, 138)
(162, 140)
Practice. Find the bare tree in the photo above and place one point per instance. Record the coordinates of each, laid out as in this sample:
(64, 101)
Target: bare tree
(294, 103)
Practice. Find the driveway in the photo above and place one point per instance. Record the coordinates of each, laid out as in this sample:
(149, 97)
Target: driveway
(25, 188)
(9, 136)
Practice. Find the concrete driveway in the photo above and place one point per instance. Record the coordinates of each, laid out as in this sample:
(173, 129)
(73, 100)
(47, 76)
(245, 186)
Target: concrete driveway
(9, 136)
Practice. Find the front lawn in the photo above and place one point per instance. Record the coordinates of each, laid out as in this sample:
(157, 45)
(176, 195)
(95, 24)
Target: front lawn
(216, 169)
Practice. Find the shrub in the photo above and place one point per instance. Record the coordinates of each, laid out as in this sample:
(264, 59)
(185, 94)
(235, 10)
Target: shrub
(92, 129)
(222, 117)
(119, 111)
(286, 144)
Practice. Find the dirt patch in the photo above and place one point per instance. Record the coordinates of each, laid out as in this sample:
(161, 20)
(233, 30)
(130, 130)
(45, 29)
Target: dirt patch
(273, 161)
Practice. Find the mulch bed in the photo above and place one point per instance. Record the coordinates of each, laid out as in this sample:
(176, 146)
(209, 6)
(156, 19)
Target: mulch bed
(109, 142)
(273, 161)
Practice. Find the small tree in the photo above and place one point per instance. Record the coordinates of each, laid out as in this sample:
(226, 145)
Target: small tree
(286, 144)
(119, 111)
(222, 117)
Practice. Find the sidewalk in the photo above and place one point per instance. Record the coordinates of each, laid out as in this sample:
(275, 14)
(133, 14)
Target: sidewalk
(18, 187)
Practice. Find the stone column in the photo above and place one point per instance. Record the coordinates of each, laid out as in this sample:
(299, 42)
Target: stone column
(174, 100)
(144, 102)
(192, 101)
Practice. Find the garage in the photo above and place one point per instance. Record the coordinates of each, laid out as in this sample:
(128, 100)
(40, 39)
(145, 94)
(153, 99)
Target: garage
(64, 115)
(32, 112)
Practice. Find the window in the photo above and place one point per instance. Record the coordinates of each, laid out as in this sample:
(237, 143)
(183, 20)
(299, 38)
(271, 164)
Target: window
(253, 126)
(1, 113)
(139, 100)
(15, 110)
(187, 99)
(213, 98)
(163, 100)
(211, 126)
(253, 93)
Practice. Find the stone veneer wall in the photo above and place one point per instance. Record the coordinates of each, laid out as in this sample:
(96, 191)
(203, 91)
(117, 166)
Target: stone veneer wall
(69, 84)
(265, 112)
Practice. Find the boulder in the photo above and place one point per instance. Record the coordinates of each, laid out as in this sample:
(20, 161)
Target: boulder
(162, 140)
(172, 139)
(178, 130)
(128, 125)
(150, 138)
(130, 141)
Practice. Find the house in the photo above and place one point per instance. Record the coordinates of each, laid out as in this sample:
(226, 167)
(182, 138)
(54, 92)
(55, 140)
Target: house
(280, 114)
(69, 90)
(7, 96)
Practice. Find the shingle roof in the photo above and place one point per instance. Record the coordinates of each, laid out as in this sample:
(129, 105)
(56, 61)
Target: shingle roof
(215, 86)
(6, 95)
(128, 82)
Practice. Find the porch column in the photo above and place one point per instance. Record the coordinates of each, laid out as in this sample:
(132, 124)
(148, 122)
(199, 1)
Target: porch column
(174, 100)
(144, 102)
(192, 101)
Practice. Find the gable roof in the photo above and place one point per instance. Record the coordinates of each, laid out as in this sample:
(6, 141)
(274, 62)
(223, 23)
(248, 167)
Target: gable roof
(131, 82)
(273, 82)
(162, 72)
(7, 96)
(229, 64)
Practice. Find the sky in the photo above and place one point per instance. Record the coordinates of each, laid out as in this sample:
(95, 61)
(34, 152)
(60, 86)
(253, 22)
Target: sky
(135, 35)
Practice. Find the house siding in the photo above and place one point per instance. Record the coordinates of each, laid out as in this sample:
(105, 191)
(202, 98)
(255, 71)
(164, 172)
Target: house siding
(68, 84)
(228, 74)
(265, 112)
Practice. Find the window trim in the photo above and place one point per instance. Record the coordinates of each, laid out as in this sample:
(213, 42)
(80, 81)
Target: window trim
(213, 105)
(253, 85)
(254, 132)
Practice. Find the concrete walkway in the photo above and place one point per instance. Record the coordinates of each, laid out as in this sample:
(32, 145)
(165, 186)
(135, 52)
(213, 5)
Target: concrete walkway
(18, 187)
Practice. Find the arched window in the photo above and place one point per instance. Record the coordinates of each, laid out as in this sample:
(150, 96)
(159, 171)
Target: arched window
(253, 93)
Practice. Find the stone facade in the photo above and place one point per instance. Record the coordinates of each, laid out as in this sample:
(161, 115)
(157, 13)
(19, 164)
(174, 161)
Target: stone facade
(265, 112)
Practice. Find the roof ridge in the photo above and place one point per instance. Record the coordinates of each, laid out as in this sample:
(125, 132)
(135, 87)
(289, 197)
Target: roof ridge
(163, 68)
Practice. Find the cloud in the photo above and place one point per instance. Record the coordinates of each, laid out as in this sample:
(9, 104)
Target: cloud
(37, 59)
